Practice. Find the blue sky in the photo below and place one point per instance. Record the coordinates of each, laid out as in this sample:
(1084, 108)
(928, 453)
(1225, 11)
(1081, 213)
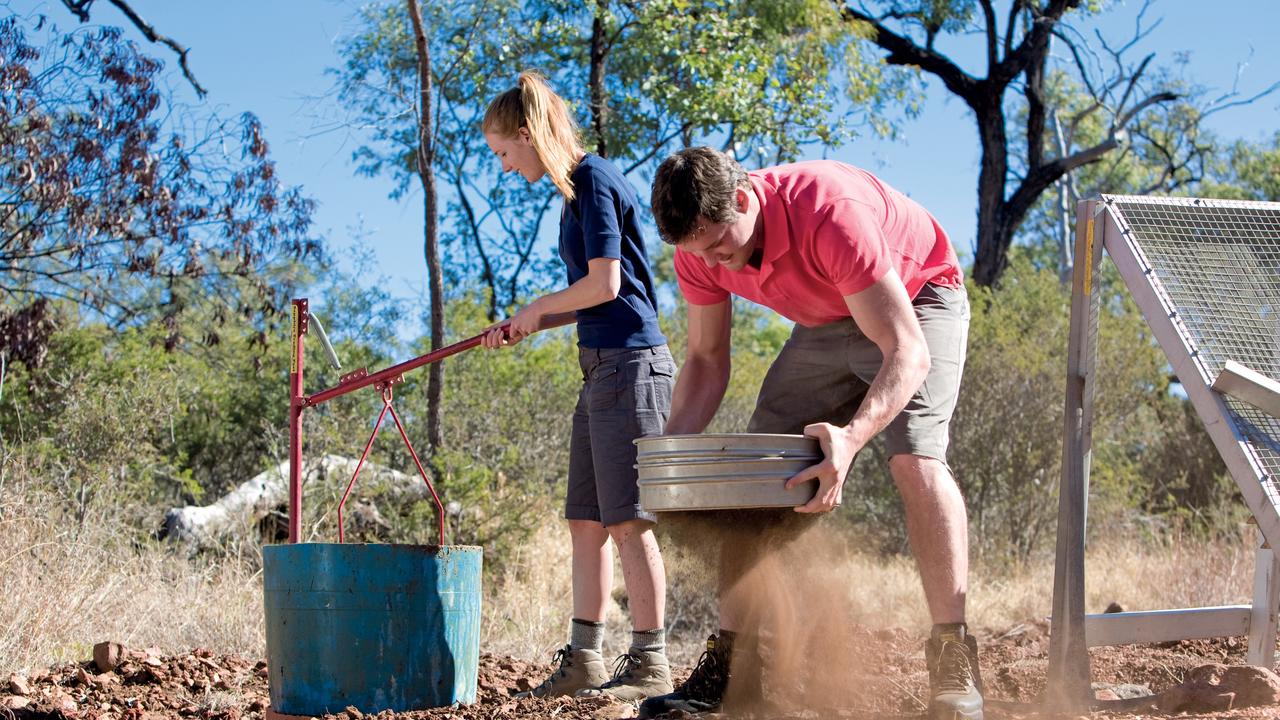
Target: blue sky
(270, 57)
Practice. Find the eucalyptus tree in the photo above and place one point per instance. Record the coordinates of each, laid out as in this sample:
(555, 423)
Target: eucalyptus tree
(1245, 171)
(1169, 150)
(1164, 150)
(758, 77)
(118, 200)
(405, 87)
(762, 79)
(1010, 95)
(82, 9)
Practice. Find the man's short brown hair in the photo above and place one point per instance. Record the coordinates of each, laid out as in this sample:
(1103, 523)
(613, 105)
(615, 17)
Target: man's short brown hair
(695, 182)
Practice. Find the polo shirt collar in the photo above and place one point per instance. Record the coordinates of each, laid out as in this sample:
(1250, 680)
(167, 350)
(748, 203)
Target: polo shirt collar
(776, 227)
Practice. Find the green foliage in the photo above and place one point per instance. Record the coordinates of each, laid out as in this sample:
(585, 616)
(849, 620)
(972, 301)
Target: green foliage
(773, 76)
(197, 423)
(121, 422)
(1246, 171)
(762, 79)
(120, 200)
(95, 423)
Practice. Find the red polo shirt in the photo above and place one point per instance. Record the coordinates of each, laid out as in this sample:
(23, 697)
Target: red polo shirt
(830, 230)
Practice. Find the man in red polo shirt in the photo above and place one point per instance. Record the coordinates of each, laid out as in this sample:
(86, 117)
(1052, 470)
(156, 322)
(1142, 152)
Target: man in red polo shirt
(882, 319)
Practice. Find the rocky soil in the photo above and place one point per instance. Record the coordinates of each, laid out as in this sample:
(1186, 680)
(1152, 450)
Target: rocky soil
(1189, 679)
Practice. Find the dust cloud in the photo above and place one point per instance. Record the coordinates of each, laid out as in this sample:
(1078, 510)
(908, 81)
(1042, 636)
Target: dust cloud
(784, 576)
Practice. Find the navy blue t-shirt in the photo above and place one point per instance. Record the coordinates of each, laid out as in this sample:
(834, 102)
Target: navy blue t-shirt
(602, 222)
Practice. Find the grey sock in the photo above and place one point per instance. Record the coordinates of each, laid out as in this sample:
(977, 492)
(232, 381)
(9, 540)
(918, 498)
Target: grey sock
(941, 629)
(649, 640)
(586, 635)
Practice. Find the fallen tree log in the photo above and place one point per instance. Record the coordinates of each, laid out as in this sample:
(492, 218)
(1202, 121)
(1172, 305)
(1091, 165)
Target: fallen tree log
(241, 510)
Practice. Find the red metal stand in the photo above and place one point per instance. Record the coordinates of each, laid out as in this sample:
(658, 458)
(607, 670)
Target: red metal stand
(386, 406)
(381, 380)
(296, 400)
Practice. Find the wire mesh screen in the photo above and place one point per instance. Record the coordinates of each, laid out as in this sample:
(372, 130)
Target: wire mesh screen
(1218, 264)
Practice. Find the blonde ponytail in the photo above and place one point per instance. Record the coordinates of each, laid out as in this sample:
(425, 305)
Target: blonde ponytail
(533, 105)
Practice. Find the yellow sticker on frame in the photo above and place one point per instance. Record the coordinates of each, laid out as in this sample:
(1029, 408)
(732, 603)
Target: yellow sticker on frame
(293, 366)
(1088, 258)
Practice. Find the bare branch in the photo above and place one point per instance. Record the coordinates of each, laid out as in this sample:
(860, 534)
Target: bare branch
(80, 8)
(902, 51)
(1160, 97)
(1033, 43)
(527, 250)
(1133, 82)
(1085, 75)
(473, 226)
(656, 148)
(1015, 7)
(992, 33)
(1215, 108)
(1139, 34)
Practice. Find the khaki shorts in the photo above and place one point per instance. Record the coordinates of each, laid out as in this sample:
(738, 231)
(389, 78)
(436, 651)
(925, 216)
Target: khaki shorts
(823, 373)
(626, 394)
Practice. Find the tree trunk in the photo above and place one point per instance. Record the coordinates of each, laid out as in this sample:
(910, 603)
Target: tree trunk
(238, 513)
(599, 102)
(1063, 225)
(431, 242)
(990, 255)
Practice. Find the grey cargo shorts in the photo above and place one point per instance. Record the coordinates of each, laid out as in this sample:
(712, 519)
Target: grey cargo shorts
(823, 373)
(626, 394)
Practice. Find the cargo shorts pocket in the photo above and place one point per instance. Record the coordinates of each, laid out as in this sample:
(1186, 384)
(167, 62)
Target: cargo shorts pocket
(603, 384)
(658, 389)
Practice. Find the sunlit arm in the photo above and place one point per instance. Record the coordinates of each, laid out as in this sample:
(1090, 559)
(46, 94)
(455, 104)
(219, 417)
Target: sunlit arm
(704, 376)
(601, 284)
(884, 314)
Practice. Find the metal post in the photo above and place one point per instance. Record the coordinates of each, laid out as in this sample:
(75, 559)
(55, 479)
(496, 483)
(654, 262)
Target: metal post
(1266, 599)
(1068, 687)
(296, 397)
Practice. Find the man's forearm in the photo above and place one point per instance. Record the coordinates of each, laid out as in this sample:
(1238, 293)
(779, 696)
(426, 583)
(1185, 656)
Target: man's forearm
(697, 395)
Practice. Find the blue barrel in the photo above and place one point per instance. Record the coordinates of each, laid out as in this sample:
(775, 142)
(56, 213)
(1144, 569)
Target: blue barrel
(379, 627)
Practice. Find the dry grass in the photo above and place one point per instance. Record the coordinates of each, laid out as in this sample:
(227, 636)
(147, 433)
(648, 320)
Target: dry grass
(526, 607)
(62, 591)
(59, 593)
(527, 611)
(1138, 575)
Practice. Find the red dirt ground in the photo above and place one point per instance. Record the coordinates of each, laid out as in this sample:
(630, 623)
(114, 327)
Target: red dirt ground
(200, 685)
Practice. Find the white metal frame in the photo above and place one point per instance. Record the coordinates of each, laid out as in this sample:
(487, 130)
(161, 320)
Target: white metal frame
(1073, 632)
(1252, 387)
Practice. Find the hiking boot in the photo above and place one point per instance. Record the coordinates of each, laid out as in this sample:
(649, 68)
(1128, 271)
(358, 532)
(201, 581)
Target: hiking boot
(704, 689)
(636, 676)
(955, 684)
(578, 670)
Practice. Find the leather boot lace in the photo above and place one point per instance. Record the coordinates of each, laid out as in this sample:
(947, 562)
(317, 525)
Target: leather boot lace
(953, 670)
(622, 669)
(709, 677)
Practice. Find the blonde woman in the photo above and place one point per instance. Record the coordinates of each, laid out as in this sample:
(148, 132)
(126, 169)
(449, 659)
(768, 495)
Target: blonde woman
(627, 374)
